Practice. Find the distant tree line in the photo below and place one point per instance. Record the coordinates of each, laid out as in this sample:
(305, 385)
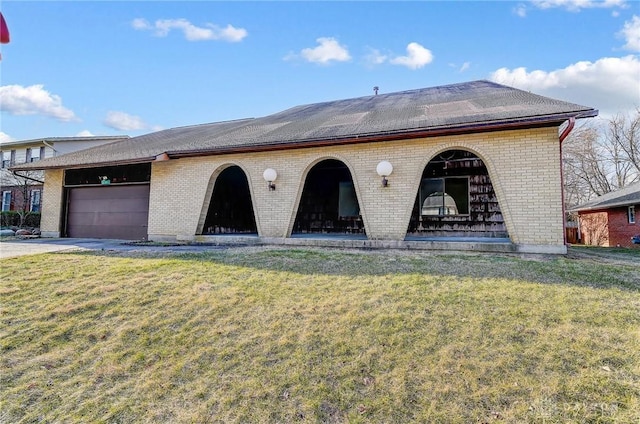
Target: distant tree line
(598, 159)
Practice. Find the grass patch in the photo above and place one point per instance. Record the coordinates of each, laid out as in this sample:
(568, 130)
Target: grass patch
(297, 335)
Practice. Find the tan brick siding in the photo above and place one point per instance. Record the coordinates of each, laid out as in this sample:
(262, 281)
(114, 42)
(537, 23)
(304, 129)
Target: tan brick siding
(52, 203)
(524, 166)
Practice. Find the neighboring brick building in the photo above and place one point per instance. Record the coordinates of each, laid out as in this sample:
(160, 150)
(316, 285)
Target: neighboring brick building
(466, 166)
(611, 220)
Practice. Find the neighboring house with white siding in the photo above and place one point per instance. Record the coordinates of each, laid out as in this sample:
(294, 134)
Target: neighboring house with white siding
(24, 189)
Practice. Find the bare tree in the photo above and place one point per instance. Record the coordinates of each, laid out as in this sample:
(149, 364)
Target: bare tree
(21, 187)
(595, 229)
(624, 135)
(598, 160)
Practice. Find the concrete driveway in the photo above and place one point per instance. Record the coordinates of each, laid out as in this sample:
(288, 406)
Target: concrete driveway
(16, 247)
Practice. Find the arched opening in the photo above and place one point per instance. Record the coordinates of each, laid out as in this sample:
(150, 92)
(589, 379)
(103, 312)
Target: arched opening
(329, 204)
(456, 199)
(230, 210)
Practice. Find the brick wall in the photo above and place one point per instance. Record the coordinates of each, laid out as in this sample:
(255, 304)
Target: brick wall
(620, 230)
(524, 166)
(594, 228)
(52, 203)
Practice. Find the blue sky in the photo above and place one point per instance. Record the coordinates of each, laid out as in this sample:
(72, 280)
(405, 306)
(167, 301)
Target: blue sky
(111, 68)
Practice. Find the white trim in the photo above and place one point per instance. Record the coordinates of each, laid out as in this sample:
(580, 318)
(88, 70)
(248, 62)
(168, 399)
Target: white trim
(6, 201)
(35, 199)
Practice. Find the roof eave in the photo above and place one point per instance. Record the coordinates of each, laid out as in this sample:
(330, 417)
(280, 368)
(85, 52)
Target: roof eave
(35, 167)
(600, 208)
(407, 134)
(109, 138)
(545, 121)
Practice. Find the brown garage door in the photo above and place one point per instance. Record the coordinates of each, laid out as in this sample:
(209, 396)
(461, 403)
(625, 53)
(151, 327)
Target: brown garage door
(115, 212)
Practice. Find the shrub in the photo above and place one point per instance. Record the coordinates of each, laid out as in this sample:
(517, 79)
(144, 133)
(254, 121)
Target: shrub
(12, 219)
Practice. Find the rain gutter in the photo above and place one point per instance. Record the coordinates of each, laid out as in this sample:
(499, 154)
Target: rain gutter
(565, 133)
(26, 177)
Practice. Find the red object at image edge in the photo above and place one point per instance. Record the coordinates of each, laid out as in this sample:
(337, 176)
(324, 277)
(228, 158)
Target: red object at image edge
(4, 31)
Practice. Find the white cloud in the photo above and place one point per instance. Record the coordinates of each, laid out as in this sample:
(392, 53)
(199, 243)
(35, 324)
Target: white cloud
(520, 10)
(33, 100)
(85, 133)
(5, 138)
(571, 5)
(124, 122)
(328, 50)
(417, 56)
(460, 68)
(162, 27)
(464, 67)
(141, 24)
(375, 57)
(609, 84)
(576, 5)
(631, 33)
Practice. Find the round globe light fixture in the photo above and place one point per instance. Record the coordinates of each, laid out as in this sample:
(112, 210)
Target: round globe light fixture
(270, 176)
(384, 169)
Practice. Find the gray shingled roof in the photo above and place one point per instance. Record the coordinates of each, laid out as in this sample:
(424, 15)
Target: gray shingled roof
(627, 196)
(105, 138)
(465, 107)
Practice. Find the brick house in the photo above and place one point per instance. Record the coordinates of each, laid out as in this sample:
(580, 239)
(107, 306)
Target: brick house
(474, 166)
(610, 220)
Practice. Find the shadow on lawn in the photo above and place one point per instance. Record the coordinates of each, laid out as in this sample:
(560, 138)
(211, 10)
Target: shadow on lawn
(597, 269)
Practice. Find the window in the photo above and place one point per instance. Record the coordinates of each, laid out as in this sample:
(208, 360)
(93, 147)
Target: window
(6, 159)
(33, 155)
(35, 200)
(445, 196)
(115, 174)
(631, 213)
(6, 201)
(347, 200)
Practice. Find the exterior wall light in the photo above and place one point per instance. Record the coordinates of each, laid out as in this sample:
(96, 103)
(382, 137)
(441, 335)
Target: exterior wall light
(384, 169)
(270, 176)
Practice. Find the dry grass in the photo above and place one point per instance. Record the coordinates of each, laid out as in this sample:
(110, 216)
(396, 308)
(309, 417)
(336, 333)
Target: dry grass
(282, 336)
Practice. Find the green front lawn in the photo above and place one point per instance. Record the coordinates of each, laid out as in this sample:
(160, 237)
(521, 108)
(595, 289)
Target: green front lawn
(264, 335)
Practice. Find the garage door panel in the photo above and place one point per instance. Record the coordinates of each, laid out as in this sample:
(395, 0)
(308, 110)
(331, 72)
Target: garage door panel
(104, 232)
(109, 206)
(82, 219)
(121, 218)
(90, 205)
(108, 219)
(120, 212)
